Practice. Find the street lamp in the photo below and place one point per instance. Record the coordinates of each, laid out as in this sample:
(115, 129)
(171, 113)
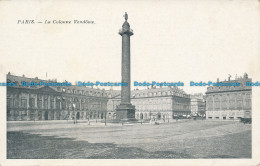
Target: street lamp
(105, 119)
(141, 119)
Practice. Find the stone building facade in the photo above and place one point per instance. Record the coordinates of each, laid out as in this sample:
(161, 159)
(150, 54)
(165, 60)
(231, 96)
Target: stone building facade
(35, 103)
(53, 103)
(229, 102)
(198, 105)
(155, 103)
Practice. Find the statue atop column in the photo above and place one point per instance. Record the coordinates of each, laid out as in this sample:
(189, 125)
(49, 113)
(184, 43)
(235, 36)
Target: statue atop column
(126, 16)
(125, 110)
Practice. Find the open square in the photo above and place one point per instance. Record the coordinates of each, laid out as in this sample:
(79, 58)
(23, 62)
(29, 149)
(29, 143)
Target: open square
(181, 139)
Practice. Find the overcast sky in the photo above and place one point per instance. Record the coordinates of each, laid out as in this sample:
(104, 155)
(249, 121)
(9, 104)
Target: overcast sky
(173, 40)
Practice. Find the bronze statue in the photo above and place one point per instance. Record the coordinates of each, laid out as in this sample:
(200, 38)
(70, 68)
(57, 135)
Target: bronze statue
(126, 16)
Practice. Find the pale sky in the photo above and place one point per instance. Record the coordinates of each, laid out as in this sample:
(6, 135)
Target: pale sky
(173, 40)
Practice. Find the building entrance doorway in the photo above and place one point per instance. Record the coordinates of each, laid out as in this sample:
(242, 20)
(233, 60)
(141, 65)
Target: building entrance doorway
(46, 115)
(78, 115)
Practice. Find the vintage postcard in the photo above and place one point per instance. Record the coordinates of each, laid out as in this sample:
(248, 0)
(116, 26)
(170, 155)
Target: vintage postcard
(130, 82)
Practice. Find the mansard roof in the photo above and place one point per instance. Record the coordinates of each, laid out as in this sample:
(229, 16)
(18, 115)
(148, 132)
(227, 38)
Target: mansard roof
(74, 89)
(241, 80)
(162, 91)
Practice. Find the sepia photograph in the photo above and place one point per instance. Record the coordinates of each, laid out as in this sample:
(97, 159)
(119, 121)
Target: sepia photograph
(168, 80)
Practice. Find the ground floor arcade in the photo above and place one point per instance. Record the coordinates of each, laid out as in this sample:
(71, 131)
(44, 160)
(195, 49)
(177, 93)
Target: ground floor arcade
(31, 115)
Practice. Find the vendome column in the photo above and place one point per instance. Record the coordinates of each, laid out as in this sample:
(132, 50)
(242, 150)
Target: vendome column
(125, 110)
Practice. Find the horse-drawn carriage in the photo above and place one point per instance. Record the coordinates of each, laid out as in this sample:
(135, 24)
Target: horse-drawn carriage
(246, 120)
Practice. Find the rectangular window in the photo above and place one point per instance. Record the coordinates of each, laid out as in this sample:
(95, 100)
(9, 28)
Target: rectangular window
(57, 105)
(32, 102)
(63, 105)
(52, 104)
(39, 104)
(16, 102)
(46, 104)
(24, 103)
(9, 100)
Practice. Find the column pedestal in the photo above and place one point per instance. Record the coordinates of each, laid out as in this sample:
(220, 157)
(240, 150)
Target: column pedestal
(125, 112)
